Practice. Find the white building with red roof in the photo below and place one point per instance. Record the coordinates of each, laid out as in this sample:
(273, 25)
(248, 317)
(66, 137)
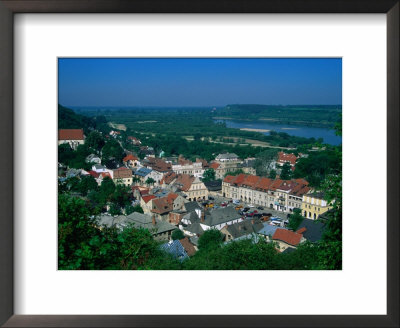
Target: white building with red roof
(73, 137)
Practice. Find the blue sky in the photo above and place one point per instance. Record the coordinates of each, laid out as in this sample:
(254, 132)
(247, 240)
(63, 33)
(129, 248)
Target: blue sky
(198, 82)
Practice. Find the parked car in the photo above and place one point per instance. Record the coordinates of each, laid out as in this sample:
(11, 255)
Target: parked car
(210, 198)
(236, 201)
(250, 205)
(238, 207)
(260, 207)
(246, 209)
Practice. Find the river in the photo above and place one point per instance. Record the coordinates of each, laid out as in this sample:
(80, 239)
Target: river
(328, 135)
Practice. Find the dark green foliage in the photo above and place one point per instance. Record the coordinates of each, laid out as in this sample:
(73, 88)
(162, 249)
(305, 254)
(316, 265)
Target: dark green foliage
(295, 219)
(87, 184)
(272, 174)
(209, 175)
(112, 150)
(210, 239)
(68, 119)
(95, 141)
(150, 181)
(121, 195)
(74, 158)
(236, 172)
(107, 188)
(318, 165)
(177, 234)
(115, 209)
(286, 173)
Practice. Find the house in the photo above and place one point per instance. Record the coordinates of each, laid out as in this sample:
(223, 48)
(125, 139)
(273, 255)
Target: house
(123, 176)
(147, 151)
(142, 174)
(214, 188)
(287, 239)
(185, 166)
(131, 161)
(176, 249)
(188, 246)
(160, 230)
(73, 137)
(312, 230)
(267, 231)
(219, 218)
(192, 187)
(227, 162)
(134, 141)
(286, 158)
(93, 159)
(248, 166)
(242, 230)
(114, 134)
(313, 205)
(283, 195)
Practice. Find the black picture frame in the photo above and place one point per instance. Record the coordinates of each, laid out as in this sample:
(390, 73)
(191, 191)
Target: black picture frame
(10, 7)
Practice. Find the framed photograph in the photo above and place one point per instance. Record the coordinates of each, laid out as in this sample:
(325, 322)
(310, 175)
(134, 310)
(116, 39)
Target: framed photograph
(159, 152)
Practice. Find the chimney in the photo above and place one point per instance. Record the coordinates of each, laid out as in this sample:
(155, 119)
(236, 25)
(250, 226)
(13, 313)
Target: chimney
(153, 219)
(202, 216)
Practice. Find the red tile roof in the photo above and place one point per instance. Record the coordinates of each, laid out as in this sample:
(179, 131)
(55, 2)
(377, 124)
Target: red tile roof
(229, 178)
(161, 205)
(105, 174)
(94, 174)
(171, 197)
(168, 177)
(283, 158)
(287, 236)
(70, 134)
(214, 166)
(147, 198)
(301, 230)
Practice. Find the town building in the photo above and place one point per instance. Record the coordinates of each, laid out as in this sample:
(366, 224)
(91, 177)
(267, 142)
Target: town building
(313, 205)
(282, 195)
(185, 166)
(227, 162)
(192, 187)
(287, 239)
(131, 161)
(123, 176)
(72, 137)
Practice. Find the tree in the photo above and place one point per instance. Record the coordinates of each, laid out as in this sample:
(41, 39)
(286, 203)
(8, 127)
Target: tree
(272, 174)
(264, 161)
(210, 239)
(121, 195)
(236, 172)
(115, 209)
(86, 184)
(107, 188)
(150, 181)
(112, 150)
(177, 234)
(295, 219)
(209, 175)
(286, 173)
(95, 140)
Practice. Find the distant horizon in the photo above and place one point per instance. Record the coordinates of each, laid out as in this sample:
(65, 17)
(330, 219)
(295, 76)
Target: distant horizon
(197, 106)
(206, 82)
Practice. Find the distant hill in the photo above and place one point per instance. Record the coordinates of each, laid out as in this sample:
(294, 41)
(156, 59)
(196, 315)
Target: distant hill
(68, 119)
(312, 115)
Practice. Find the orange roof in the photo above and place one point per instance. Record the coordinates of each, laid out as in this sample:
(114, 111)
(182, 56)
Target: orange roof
(70, 134)
(130, 157)
(168, 177)
(105, 174)
(301, 230)
(287, 236)
(94, 174)
(147, 198)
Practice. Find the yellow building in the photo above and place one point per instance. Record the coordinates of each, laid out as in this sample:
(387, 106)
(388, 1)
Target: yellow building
(313, 205)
